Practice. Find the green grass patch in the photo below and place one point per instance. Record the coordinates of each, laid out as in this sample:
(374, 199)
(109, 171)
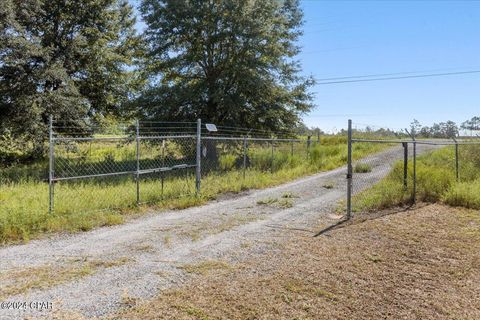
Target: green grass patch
(464, 194)
(436, 182)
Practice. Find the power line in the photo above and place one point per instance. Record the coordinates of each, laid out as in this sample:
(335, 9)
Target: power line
(397, 73)
(403, 77)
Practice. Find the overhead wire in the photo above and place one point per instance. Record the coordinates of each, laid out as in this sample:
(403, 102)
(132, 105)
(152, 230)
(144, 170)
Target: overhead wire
(402, 77)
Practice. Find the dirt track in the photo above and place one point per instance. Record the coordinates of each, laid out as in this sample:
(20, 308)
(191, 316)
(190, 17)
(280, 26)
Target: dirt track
(96, 273)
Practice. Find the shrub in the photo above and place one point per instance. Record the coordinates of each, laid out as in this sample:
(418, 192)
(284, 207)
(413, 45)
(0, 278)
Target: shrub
(227, 161)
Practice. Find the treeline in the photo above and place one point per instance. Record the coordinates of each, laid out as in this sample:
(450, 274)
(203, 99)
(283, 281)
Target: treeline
(442, 130)
(230, 62)
(447, 130)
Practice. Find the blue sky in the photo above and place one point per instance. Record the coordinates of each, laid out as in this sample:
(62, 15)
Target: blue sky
(349, 38)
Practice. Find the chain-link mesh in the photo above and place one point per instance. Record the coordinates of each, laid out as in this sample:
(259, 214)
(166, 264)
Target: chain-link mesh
(167, 167)
(382, 178)
(390, 168)
(119, 167)
(222, 155)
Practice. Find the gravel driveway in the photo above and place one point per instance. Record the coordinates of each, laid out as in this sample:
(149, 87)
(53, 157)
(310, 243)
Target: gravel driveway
(101, 270)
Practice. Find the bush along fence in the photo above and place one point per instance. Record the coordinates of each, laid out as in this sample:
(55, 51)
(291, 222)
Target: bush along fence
(128, 164)
(409, 169)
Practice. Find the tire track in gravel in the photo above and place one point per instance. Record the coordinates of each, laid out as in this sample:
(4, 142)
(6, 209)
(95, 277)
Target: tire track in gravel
(159, 244)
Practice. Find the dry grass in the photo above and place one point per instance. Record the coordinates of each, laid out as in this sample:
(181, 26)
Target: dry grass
(206, 267)
(46, 276)
(419, 264)
(284, 203)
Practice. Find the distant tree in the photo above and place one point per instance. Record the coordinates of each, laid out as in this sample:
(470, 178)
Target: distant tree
(63, 58)
(230, 62)
(436, 131)
(415, 127)
(425, 132)
(472, 124)
(449, 129)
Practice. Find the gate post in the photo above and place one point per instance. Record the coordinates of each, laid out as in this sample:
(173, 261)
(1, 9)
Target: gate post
(137, 176)
(414, 142)
(414, 171)
(309, 141)
(51, 166)
(198, 168)
(349, 171)
(244, 155)
(271, 162)
(457, 174)
(405, 165)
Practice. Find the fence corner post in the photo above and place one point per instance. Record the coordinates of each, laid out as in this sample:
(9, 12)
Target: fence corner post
(457, 173)
(198, 167)
(51, 164)
(349, 171)
(414, 196)
(411, 133)
(309, 141)
(273, 157)
(405, 165)
(137, 174)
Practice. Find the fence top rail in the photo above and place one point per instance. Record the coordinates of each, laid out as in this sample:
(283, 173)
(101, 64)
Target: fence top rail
(252, 139)
(126, 138)
(167, 137)
(429, 142)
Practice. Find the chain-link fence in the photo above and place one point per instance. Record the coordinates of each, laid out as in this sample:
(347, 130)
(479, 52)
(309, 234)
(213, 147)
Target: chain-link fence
(121, 166)
(405, 169)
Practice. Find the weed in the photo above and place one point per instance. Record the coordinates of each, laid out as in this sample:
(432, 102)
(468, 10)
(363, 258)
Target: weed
(279, 203)
(267, 201)
(362, 168)
(128, 300)
(289, 195)
(285, 203)
(206, 267)
(193, 311)
(329, 185)
(167, 240)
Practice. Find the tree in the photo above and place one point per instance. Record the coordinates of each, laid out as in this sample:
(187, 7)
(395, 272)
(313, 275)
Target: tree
(450, 129)
(425, 132)
(63, 58)
(472, 124)
(230, 62)
(415, 127)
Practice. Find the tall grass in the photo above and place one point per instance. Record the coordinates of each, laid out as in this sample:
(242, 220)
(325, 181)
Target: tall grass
(85, 204)
(436, 182)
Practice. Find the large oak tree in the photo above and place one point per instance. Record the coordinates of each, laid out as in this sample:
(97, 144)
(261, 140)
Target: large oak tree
(230, 62)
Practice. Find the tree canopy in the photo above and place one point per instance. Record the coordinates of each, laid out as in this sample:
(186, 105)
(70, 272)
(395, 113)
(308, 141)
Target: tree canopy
(231, 62)
(63, 58)
(472, 124)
